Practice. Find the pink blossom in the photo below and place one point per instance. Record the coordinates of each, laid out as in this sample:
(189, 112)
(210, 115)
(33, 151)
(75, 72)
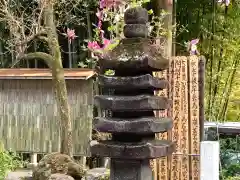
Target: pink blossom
(99, 25)
(195, 41)
(193, 47)
(169, 2)
(227, 2)
(110, 3)
(99, 14)
(106, 42)
(94, 46)
(71, 35)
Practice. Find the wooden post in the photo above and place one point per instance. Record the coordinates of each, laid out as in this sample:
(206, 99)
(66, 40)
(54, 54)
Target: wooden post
(34, 158)
(177, 118)
(184, 127)
(83, 161)
(174, 31)
(164, 164)
(158, 6)
(34, 161)
(194, 127)
(201, 95)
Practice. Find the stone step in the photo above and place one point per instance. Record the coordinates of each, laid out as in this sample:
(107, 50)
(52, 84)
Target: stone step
(138, 150)
(131, 83)
(141, 126)
(132, 103)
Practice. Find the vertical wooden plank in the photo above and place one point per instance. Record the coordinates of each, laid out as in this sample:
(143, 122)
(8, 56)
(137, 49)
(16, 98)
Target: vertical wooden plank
(170, 110)
(201, 78)
(154, 165)
(184, 121)
(163, 162)
(155, 162)
(176, 133)
(194, 116)
(2, 44)
(161, 165)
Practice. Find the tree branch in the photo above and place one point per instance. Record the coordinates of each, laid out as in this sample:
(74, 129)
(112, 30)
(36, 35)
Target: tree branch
(34, 36)
(48, 59)
(43, 38)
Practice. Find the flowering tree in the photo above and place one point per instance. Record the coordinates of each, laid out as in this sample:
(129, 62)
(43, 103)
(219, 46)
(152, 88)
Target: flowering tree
(101, 44)
(37, 22)
(111, 11)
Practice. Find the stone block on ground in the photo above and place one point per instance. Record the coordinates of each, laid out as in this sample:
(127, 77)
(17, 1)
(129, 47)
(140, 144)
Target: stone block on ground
(19, 175)
(60, 177)
(97, 174)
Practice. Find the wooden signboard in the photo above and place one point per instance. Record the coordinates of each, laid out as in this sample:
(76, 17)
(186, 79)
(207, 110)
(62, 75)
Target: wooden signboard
(183, 90)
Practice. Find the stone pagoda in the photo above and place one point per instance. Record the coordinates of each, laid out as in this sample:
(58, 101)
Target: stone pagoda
(132, 122)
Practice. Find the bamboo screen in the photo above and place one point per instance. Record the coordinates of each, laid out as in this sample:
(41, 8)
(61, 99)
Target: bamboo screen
(28, 115)
(184, 92)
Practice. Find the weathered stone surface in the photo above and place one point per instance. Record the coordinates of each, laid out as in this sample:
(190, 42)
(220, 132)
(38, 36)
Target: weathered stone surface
(135, 54)
(137, 125)
(57, 163)
(132, 103)
(130, 83)
(58, 176)
(138, 150)
(97, 174)
(31, 165)
(130, 169)
(138, 62)
(135, 30)
(19, 175)
(137, 15)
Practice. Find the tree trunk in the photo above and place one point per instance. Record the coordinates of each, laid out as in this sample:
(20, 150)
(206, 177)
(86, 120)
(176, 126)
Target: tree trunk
(224, 108)
(158, 6)
(59, 80)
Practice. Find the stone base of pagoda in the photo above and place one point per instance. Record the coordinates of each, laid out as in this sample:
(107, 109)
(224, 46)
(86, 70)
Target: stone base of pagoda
(130, 170)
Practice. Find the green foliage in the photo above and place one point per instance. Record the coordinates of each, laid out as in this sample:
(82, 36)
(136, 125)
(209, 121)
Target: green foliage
(230, 144)
(230, 157)
(232, 171)
(233, 178)
(218, 28)
(9, 161)
(222, 68)
(109, 72)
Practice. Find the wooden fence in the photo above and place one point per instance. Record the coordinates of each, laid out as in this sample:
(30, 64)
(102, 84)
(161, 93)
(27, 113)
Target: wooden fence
(185, 92)
(29, 120)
